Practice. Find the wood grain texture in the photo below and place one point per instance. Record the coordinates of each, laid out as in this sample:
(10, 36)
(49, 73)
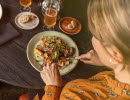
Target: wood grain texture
(14, 66)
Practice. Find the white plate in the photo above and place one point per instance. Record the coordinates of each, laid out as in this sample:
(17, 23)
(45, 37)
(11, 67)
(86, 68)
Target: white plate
(0, 11)
(33, 42)
(27, 26)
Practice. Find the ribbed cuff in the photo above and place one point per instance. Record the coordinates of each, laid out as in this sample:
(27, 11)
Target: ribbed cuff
(52, 89)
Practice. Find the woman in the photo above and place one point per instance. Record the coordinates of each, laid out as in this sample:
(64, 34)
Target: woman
(109, 22)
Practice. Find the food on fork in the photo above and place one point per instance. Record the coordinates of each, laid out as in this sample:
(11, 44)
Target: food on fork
(27, 18)
(52, 49)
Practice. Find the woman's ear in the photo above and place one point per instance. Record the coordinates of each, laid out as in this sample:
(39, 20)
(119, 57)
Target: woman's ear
(116, 54)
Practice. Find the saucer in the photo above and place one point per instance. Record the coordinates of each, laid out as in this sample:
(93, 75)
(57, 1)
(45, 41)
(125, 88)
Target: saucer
(67, 20)
(27, 26)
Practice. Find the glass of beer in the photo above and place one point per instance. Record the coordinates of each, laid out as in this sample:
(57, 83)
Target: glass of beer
(25, 5)
(50, 18)
(50, 14)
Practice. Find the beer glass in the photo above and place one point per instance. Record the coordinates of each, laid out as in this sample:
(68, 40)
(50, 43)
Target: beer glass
(50, 16)
(25, 5)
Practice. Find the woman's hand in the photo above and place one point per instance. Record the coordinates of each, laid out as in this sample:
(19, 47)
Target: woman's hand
(51, 76)
(91, 58)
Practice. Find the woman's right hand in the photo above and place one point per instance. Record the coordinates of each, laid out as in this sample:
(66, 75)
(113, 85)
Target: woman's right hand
(51, 76)
(91, 58)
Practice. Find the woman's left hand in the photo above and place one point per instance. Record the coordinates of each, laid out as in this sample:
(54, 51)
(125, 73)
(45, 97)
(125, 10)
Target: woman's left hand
(91, 58)
(51, 76)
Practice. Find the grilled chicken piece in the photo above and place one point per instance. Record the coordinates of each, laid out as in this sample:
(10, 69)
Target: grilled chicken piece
(39, 47)
(38, 51)
(43, 40)
(45, 55)
(38, 55)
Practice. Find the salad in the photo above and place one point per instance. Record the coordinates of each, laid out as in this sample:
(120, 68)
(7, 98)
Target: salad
(52, 49)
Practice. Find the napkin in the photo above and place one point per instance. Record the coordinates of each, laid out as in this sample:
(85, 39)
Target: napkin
(7, 33)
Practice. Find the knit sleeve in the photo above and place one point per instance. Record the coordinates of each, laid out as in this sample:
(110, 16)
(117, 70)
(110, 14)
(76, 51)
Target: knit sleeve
(51, 93)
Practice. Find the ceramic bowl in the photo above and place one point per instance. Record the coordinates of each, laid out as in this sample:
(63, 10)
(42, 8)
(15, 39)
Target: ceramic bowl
(65, 21)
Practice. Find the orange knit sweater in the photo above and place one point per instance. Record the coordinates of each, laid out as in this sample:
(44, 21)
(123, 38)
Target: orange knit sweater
(102, 86)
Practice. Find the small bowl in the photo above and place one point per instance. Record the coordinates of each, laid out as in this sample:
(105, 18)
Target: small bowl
(65, 21)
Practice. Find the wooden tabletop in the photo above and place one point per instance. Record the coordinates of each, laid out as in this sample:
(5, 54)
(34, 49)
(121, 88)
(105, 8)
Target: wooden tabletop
(16, 70)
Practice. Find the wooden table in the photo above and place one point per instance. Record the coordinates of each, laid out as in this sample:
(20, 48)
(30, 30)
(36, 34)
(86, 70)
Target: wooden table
(14, 66)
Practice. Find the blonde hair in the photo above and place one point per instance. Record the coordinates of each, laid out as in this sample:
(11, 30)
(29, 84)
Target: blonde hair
(109, 21)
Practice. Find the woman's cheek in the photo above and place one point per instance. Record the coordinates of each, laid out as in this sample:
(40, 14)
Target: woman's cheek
(97, 47)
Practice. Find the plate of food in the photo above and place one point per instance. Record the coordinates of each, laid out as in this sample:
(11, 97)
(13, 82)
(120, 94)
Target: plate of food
(27, 20)
(52, 47)
(70, 25)
(0, 11)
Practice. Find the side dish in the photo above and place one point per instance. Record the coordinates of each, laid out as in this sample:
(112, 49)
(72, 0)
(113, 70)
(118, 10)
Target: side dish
(72, 25)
